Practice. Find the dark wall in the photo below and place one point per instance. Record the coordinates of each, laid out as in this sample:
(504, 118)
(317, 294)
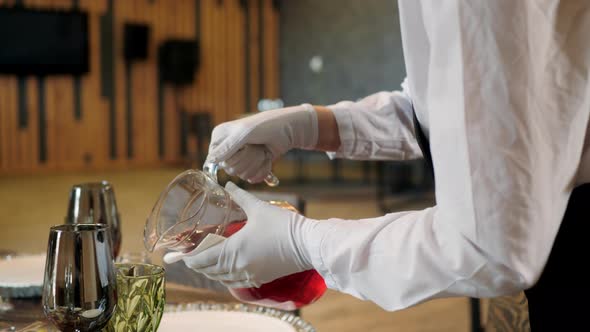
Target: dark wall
(359, 42)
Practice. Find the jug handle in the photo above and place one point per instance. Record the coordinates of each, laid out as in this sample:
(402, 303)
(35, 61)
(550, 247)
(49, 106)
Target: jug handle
(210, 168)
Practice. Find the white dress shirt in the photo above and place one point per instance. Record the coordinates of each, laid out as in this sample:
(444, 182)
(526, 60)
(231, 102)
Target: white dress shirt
(502, 90)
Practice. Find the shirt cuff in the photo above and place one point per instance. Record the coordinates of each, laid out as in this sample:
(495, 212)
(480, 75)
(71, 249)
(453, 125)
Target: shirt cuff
(313, 132)
(343, 117)
(314, 246)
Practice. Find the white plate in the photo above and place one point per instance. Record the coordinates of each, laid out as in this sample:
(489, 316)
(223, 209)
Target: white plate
(230, 317)
(22, 276)
(221, 321)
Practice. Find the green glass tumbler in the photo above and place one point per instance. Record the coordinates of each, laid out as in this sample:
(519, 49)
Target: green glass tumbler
(141, 297)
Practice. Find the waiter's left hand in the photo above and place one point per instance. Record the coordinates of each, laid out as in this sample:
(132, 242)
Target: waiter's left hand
(269, 246)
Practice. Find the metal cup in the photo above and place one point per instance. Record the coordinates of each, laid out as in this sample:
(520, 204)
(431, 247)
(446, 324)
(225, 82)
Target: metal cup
(94, 203)
(79, 289)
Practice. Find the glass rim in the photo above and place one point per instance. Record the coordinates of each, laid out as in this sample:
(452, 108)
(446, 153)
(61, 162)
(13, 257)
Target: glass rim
(158, 270)
(101, 184)
(79, 228)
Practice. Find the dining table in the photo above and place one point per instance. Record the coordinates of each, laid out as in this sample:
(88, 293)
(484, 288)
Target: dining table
(26, 314)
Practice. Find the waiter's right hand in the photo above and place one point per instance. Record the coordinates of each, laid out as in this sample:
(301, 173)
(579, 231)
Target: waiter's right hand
(247, 147)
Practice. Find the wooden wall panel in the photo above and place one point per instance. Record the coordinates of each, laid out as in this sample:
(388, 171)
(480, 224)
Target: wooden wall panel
(235, 74)
(219, 64)
(56, 122)
(121, 10)
(94, 132)
(151, 142)
(170, 103)
(254, 48)
(52, 125)
(271, 50)
(225, 79)
(32, 130)
(11, 105)
(22, 132)
(65, 115)
(7, 123)
(3, 130)
(206, 69)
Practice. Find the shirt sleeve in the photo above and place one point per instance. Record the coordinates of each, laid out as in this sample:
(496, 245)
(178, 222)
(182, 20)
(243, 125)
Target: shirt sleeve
(506, 135)
(377, 127)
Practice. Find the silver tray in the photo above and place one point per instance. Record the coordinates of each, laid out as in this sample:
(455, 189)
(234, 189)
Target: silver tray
(298, 323)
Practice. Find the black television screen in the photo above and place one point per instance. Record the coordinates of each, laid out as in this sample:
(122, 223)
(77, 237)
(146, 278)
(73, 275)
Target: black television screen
(43, 42)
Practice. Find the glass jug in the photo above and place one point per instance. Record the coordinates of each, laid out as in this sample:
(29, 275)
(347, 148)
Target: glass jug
(192, 206)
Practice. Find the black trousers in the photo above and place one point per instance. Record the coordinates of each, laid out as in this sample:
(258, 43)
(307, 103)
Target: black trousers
(560, 300)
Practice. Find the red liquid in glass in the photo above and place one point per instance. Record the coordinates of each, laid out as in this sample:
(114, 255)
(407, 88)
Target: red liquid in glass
(288, 292)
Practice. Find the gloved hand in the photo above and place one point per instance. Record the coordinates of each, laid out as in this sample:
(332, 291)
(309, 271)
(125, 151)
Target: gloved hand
(269, 246)
(247, 147)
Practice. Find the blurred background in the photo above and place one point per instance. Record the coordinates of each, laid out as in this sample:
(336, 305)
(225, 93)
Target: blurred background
(128, 91)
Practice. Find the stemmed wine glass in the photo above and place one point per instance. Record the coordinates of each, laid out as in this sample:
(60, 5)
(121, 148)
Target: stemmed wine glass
(79, 290)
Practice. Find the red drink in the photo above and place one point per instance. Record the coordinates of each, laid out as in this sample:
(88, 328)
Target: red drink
(288, 292)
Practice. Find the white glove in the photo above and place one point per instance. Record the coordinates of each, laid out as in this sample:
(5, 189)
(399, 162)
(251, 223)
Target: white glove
(247, 147)
(269, 246)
